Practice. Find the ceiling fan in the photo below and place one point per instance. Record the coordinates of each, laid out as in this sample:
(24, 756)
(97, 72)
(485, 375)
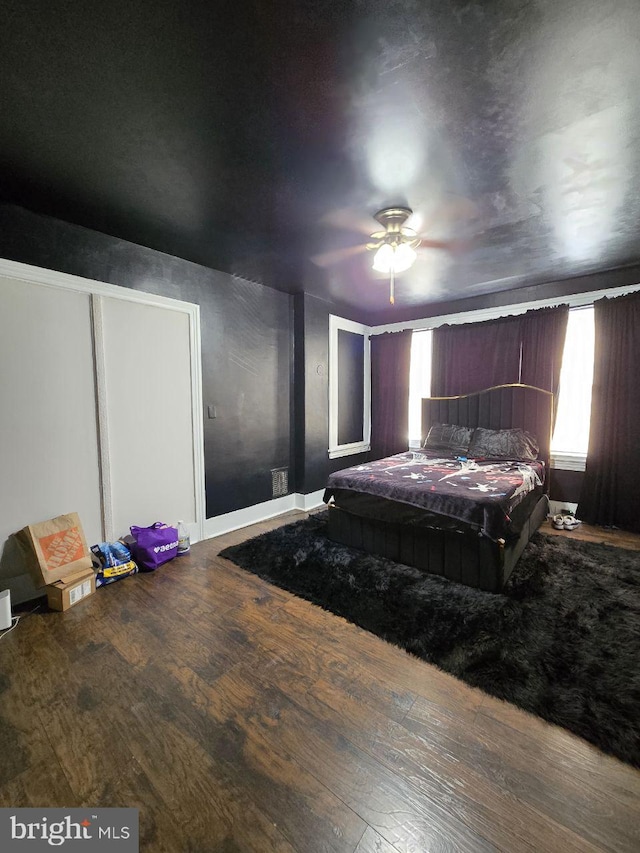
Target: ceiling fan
(394, 245)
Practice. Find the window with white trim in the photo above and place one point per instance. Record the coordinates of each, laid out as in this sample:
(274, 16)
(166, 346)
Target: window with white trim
(571, 434)
(419, 382)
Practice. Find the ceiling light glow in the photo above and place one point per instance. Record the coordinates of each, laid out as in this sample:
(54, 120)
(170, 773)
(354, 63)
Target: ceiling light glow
(394, 259)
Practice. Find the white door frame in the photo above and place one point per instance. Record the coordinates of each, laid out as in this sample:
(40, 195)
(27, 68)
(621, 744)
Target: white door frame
(52, 278)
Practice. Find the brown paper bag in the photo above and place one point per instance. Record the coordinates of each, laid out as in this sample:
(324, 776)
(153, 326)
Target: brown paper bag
(57, 548)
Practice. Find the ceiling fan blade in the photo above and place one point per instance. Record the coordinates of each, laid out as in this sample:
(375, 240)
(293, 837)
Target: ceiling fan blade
(434, 244)
(347, 219)
(463, 208)
(328, 259)
(450, 245)
(416, 222)
(454, 211)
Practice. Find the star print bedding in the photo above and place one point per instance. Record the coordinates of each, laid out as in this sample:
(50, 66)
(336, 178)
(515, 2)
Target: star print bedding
(484, 495)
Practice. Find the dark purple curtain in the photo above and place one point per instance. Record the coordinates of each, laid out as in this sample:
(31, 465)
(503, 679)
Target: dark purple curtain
(525, 348)
(474, 356)
(390, 361)
(542, 333)
(610, 492)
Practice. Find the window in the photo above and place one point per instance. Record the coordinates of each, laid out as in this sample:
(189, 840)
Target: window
(349, 388)
(571, 435)
(419, 382)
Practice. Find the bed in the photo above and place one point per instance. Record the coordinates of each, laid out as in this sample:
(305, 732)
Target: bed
(459, 507)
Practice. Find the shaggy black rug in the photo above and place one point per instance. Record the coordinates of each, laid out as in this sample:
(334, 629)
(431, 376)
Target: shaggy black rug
(562, 641)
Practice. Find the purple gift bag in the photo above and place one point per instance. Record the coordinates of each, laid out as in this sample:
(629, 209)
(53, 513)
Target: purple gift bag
(154, 545)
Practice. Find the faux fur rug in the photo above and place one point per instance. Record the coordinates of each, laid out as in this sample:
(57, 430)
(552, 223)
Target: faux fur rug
(562, 641)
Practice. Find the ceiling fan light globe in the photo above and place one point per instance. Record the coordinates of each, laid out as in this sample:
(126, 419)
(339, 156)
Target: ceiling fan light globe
(383, 260)
(404, 257)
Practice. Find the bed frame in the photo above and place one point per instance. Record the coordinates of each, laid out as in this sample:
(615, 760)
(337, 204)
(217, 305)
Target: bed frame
(463, 557)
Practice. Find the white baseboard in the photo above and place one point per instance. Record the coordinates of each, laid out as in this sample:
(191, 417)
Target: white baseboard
(310, 501)
(260, 512)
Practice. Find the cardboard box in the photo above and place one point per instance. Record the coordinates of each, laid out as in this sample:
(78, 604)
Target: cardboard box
(55, 548)
(71, 589)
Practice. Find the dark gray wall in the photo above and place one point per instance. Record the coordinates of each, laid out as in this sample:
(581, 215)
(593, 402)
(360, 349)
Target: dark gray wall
(246, 344)
(265, 355)
(565, 485)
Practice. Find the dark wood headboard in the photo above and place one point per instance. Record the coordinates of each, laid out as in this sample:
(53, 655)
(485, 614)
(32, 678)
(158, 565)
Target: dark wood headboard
(500, 407)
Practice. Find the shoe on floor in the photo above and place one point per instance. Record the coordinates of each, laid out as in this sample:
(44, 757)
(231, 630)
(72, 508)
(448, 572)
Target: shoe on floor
(570, 522)
(558, 522)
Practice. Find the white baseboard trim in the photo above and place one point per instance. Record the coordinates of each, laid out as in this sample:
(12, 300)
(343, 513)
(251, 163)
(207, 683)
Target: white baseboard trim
(311, 501)
(220, 524)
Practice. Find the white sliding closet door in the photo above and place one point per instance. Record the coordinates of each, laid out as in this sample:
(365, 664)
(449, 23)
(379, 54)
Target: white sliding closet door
(49, 461)
(145, 389)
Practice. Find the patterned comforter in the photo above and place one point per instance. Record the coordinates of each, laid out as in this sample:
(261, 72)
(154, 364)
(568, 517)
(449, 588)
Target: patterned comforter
(481, 493)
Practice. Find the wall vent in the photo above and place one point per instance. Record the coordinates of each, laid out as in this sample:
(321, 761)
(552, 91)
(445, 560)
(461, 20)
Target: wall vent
(280, 482)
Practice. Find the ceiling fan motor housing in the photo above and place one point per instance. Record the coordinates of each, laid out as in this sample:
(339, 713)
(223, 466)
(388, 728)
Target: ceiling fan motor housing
(393, 219)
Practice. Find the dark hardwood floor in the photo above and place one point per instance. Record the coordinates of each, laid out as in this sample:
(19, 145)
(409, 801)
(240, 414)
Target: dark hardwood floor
(591, 533)
(237, 717)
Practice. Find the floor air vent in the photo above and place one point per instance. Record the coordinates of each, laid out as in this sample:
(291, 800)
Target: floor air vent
(280, 482)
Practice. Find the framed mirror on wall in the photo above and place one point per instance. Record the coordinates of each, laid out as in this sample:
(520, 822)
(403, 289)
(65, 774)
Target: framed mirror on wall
(349, 388)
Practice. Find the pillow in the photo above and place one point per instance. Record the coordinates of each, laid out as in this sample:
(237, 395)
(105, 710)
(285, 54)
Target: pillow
(449, 439)
(503, 444)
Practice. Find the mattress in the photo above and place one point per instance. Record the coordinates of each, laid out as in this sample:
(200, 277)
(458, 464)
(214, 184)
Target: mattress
(453, 493)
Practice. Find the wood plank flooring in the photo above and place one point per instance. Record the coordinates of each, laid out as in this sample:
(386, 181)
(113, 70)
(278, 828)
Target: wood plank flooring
(592, 533)
(237, 717)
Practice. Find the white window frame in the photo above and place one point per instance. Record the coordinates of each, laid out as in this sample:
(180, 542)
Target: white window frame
(568, 461)
(337, 324)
